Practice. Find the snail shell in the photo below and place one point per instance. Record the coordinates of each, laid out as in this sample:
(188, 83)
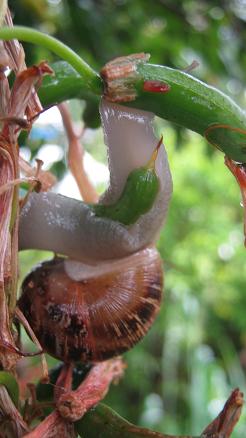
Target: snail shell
(101, 315)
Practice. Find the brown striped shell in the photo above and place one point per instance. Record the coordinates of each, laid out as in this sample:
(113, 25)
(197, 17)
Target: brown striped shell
(95, 318)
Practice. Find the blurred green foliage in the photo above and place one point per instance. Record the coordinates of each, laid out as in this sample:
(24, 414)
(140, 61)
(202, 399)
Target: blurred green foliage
(179, 376)
(173, 32)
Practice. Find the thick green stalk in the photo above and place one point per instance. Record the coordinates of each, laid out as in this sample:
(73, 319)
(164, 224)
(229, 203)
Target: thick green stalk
(91, 80)
(189, 103)
(195, 105)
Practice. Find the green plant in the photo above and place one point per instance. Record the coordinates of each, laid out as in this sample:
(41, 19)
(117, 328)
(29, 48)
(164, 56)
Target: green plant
(219, 119)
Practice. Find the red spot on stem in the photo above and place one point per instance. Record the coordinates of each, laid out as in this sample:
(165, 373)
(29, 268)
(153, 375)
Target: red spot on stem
(156, 87)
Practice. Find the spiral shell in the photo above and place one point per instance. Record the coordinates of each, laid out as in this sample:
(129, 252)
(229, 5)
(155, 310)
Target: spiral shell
(97, 317)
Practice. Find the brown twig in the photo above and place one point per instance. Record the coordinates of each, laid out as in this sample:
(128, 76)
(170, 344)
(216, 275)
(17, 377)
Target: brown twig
(15, 182)
(64, 381)
(223, 425)
(71, 405)
(47, 179)
(11, 421)
(239, 172)
(52, 427)
(74, 404)
(194, 64)
(32, 335)
(76, 157)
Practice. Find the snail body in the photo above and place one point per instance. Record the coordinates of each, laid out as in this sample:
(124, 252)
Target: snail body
(66, 226)
(100, 316)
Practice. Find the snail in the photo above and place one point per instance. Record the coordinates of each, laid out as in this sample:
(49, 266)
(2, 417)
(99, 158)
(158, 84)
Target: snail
(100, 301)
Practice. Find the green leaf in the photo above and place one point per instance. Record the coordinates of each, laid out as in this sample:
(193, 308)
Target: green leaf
(8, 380)
(64, 85)
(103, 422)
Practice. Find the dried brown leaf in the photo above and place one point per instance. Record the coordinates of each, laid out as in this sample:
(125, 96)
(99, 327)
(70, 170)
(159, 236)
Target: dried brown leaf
(7, 174)
(47, 179)
(76, 157)
(4, 91)
(239, 172)
(223, 425)
(23, 88)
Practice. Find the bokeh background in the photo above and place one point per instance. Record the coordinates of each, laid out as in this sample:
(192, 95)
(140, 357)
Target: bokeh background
(179, 376)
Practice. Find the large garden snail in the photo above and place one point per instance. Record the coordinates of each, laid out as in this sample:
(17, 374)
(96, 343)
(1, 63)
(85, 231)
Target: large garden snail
(101, 305)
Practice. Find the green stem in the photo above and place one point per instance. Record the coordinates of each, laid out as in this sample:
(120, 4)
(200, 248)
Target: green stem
(189, 103)
(91, 78)
(197, 106)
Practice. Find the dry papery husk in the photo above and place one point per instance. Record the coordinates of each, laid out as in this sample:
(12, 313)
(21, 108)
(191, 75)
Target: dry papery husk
(20, 102)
